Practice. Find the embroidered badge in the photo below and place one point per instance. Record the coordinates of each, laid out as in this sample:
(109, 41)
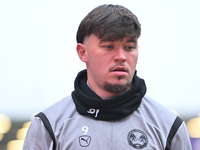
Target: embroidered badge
(137, 139)
(84, 140)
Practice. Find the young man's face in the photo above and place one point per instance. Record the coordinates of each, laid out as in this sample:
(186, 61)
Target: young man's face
(110, 64)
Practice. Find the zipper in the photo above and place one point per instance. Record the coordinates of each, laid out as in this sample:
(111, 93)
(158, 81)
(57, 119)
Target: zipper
(112, 136)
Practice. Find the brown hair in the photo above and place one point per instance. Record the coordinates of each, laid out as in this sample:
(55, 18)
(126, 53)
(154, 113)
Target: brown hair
(112, 21)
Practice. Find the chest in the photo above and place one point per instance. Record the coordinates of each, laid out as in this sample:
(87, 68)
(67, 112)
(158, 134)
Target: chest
(130, 133)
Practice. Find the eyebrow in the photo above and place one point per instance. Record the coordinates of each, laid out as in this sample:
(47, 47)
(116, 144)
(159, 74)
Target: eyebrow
(108, 39)
(132, 40)
(135, 41)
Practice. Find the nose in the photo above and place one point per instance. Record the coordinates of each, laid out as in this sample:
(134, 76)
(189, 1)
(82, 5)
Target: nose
(120, 55)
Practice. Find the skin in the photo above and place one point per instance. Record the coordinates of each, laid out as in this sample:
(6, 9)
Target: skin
(108, 62)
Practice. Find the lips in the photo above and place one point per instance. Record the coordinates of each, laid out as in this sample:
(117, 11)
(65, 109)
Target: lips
(120, 68)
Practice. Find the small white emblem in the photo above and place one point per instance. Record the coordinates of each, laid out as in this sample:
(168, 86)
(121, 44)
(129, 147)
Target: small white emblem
(93, 111)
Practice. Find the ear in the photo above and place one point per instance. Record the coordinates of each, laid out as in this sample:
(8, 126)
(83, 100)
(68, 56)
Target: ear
(82, 52)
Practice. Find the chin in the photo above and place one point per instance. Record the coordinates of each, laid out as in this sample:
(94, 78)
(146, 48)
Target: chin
(117, 86)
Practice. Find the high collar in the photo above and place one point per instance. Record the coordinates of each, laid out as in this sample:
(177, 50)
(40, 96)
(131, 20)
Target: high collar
(115, 108)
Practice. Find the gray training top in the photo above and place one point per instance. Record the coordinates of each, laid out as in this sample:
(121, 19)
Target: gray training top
(147, 128)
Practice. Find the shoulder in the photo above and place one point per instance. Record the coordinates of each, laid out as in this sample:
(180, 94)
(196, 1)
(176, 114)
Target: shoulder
(155, 108)
(60, 111)
(59, 107)
(164, 121)
(156, 115)
(56, 115)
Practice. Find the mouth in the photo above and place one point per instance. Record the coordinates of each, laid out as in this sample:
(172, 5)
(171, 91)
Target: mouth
(119, 69)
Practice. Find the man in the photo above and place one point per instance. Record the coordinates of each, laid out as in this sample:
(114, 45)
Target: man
(108, 109)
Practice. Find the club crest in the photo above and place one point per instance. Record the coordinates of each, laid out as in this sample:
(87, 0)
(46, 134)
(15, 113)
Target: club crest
(137, 139)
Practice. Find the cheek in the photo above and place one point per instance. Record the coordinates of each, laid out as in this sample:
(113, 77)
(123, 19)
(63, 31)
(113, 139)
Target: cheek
(96, 63)
(99, 59)
(133, 58)
(95, 59)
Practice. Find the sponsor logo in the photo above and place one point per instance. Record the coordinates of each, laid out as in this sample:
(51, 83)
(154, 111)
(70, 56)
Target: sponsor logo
(137, 139)
(84, 140)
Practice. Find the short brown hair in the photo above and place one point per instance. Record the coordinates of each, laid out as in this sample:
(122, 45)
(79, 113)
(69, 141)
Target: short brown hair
(113, 21)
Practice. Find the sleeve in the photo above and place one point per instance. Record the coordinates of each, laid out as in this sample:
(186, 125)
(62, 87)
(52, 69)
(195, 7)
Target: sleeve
(181, 140)
(37, 137)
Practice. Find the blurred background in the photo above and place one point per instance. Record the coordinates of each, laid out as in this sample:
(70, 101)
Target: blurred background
(38, 60)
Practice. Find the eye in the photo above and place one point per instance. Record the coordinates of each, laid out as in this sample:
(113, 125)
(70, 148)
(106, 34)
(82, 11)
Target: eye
(108, 47)
(130, 48)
